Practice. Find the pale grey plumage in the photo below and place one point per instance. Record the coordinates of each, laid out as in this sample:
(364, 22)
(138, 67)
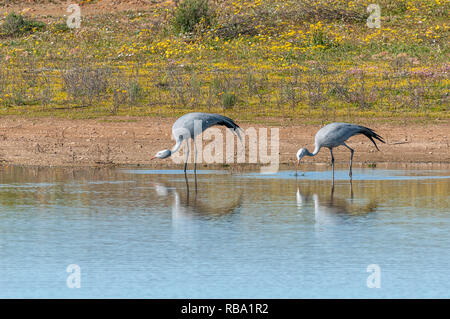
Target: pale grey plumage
(334, 135)
(187, 122)
(189, 126)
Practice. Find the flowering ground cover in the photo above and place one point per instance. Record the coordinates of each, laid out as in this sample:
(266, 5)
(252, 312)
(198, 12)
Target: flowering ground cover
(262, 58)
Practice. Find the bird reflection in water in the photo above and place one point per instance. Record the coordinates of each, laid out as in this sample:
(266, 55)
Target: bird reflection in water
(206, 202)
(330, 209)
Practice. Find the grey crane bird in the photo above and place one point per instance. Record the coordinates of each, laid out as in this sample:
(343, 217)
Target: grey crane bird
(334, 135)
(189, 126)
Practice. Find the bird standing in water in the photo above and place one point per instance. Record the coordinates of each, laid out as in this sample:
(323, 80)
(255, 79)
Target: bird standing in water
(185, 128)
(334, 135)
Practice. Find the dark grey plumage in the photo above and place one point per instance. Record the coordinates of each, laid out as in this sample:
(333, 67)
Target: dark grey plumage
(371, 135)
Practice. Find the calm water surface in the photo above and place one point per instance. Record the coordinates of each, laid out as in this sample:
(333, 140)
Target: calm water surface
(146, 234)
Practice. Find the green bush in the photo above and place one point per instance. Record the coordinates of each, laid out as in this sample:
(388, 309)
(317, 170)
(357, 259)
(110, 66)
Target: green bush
(228, 100)
(191, 12)
(16, 24)
(134, 91)
(61, 27)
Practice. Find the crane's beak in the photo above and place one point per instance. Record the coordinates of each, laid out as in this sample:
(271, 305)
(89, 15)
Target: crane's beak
(153, 157)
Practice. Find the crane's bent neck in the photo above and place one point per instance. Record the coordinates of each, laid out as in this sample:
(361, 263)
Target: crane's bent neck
(316, 150)
(176, 146)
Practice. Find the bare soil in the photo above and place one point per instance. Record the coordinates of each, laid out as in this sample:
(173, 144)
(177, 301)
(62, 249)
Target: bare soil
(42, 8)
(133, 141)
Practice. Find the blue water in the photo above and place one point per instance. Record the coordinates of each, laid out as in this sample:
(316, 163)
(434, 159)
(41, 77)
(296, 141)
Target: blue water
(148, 234)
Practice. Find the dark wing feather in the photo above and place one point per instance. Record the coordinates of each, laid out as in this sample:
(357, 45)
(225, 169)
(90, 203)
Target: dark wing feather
(370, 134)
(227, 122)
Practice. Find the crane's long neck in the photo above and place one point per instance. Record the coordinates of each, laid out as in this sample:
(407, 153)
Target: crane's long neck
(176, 146)
(316, 150)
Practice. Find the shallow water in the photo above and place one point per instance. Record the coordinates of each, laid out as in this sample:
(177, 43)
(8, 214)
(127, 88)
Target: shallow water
(146, 234)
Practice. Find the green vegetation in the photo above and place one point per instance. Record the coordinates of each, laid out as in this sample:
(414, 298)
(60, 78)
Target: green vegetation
(16, 25)
(261, 58)
(191, 12)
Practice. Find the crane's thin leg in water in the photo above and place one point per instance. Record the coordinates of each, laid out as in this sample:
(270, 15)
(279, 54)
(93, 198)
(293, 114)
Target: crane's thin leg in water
(187, 155)
(351, 159)
(332, 162)
(195, 158)
(195, 166)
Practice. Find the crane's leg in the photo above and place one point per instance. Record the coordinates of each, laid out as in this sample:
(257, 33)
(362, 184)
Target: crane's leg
(195, 157)
(351, 159)
(332, 161)
(187, 155)
(195, 165)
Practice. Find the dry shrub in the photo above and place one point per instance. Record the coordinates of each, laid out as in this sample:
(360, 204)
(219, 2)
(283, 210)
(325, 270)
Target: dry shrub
(86, 83)
(238, 25)
(315, 11)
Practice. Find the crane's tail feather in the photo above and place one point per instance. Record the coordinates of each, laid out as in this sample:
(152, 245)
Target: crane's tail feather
(238, 132)
(229, 123)
(371, 135)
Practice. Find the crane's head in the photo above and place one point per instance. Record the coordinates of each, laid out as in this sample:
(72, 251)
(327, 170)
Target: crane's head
(301, 152)
(162, 154)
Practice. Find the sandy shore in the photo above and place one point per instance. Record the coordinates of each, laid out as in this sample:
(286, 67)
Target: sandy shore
(132, 141)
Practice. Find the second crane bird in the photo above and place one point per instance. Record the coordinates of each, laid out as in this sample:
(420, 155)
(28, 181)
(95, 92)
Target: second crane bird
(336, 134)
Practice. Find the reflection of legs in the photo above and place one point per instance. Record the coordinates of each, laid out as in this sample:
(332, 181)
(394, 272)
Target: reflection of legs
(332, 190)
(351, 159)
(187, 188)
(195, 176)
(187, 155)
(332, 162)
(351, 189)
